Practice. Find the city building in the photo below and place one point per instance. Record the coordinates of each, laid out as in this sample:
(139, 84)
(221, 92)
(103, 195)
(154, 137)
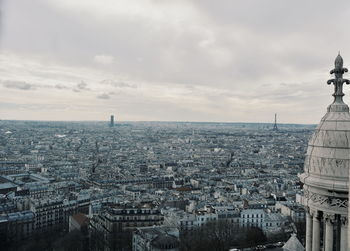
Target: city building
(252, 217)
(116, 221)
(291, 209)
(111, 124)
(17, 226)
(194, 175)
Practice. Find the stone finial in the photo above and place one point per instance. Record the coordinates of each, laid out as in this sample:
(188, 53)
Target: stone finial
(338, 82)
(338, 63)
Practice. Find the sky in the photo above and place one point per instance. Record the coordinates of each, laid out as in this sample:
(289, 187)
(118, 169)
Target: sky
(170, 60)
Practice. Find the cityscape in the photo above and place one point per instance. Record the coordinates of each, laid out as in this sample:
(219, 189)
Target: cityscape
(142, 185)
(163, 125)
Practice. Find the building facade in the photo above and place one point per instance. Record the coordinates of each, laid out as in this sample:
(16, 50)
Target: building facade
(115, 223)
(16, 226)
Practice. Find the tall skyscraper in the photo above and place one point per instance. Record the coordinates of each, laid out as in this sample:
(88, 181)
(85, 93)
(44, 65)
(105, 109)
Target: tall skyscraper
(112, 121)
(275, 124)
(326, 174)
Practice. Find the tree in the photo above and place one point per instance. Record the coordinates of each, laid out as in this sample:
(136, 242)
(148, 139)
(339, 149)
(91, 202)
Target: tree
(220, 236)
(72, 241)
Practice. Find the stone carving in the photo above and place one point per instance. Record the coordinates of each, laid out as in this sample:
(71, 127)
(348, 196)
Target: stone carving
(339, 203)
(329, 167)
(327, 201)
(344, 220)
(338, 81)
(329, 218)
(314, 213)
(318, 199)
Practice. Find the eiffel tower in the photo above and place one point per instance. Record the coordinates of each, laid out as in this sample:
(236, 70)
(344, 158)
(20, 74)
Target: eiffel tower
(275, 124)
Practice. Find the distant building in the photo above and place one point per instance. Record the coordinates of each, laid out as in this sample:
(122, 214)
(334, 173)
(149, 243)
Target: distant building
(252, 217)
(16, 226)
(112, 121)
(229, 214)
(199, 218)
(122, 218)
(116, 222)
(293, 210)
(275, 128)
(162, 182)
(7, 187)
(48, 214)
(266, 221)
(54, 213)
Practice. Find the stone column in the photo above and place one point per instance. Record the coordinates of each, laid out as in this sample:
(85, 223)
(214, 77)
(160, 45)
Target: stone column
(315, 232)
(308, 244)
(343, 233)
(329, 221)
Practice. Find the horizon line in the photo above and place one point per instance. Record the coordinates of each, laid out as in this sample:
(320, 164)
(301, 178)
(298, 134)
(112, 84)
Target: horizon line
(149, 121)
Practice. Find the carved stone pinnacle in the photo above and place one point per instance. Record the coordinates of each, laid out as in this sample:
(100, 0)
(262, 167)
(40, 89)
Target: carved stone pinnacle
(338, 81)
(338, 104)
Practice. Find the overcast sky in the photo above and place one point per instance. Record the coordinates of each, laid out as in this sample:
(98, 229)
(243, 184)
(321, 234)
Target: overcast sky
(170, 60)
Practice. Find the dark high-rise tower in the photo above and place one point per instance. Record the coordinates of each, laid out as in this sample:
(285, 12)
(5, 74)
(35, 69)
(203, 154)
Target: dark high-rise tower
(112, 121)
(275, 124)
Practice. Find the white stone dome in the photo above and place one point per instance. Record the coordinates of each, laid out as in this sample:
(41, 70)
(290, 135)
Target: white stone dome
(328, 154)
(327, 162)
(326, 175)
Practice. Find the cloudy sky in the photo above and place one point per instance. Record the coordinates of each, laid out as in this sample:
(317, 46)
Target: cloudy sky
(170, 60)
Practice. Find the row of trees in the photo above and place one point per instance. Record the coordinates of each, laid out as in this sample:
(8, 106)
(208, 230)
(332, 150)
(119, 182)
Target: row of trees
(214, 236)
(221, 235)
(54, 240)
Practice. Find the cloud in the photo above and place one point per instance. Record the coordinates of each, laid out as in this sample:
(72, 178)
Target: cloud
(103, 96)
(20, 85)
(81, 86)
(118, 84)
(225, 60)
(104, 59)
(60, 87)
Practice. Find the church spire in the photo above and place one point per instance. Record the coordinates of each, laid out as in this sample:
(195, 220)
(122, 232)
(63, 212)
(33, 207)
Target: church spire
(338, 81)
